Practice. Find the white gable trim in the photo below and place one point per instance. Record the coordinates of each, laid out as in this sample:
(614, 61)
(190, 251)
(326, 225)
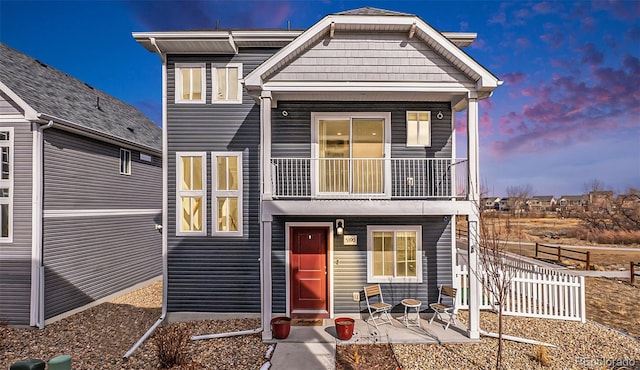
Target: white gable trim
(29, 113)
(485, 80)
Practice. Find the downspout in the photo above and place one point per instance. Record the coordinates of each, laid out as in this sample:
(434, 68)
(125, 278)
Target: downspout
(165, 194)
(37, 260)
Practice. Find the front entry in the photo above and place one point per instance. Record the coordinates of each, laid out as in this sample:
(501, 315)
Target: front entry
(308, 260)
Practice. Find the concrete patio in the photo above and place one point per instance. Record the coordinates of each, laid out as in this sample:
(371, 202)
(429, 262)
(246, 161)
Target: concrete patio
(395, 332)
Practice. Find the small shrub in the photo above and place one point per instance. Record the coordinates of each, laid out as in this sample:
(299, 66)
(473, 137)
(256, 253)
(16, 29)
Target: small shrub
(542, 356)
(171, 344)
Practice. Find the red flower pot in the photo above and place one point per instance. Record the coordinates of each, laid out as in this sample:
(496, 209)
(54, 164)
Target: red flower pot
(281, 326)
(344, 327)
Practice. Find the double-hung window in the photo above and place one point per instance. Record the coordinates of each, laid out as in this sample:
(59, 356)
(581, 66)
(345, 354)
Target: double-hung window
(6, 184)
(191, 193)
(419, 128)
(227, 193)
(125, 162)
(227, 87)
(190, 83)
(394, 254)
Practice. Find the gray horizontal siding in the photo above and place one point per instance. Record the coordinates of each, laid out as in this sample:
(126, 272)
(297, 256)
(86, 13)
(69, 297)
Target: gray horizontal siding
(206, 273)
(84, 174)
(360, 56)
(15, 257)
(7, 107)
(88, 258)
(349, 263)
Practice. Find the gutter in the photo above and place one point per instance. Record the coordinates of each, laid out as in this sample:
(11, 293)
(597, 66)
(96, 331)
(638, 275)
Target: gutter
(37, 252)
(163, 228)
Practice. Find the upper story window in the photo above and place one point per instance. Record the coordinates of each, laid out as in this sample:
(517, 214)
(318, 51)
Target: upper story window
(125, 162)
(6, 184)
(190, 83)
(227, 193)
(191, 193)
(226, 83)
(393, 254)
(419, 128)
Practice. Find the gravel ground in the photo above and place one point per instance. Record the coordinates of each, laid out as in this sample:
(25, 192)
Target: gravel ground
(98, 338)
(579, 346)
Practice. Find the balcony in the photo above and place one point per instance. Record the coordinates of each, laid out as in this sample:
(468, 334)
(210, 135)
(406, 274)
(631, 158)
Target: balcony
(369, 178)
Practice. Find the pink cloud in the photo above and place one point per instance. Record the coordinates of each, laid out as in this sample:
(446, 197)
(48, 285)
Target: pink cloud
(542, 8)
(523, 42)
(513, 78)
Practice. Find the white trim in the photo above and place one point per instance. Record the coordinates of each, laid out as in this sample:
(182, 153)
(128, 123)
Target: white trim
(359, 86)
(418, 113)
(215, 193)
(68, 213)
(330, 267)
(315, 137)
(9, 183)
(394, 228)
(178, 83)
(37, 269)
(214, 83)
(202, 193)
(126, 160)
(29, 113)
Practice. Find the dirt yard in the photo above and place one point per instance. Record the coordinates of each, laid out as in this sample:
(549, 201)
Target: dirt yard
(614, 303)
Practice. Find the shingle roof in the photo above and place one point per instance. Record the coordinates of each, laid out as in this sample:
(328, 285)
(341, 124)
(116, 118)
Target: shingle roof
(372, 11)
(55, 93)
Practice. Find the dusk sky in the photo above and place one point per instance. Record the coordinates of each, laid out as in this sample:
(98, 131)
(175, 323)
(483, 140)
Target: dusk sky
(567, 113)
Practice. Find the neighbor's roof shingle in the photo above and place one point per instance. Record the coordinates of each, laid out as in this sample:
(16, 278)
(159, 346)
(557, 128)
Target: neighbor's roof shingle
(55, 93)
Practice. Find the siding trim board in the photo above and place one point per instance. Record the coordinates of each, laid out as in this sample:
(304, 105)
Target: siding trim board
(64, 213)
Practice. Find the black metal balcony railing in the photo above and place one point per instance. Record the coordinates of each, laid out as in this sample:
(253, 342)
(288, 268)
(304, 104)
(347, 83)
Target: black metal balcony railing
(368, 178)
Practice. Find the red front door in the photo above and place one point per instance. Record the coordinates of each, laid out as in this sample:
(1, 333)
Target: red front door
(308, 270)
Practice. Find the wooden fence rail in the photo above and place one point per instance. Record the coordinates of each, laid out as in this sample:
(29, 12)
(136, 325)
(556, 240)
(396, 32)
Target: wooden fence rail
(558, 253)
(633, 266)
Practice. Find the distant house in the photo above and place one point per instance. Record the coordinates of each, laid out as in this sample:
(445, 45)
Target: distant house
(600, 200)
(572, 201)
(303, 165)
(542, 203)
(505, 204)
(80, 193)
(490, 203)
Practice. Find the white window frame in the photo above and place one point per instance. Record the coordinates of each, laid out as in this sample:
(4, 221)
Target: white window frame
(201, 193)
(8, 184)
(214, 83)
(394, 228)
(418, 113)
(178, 83)
(316, 117)
(215, 193)
(125, 161)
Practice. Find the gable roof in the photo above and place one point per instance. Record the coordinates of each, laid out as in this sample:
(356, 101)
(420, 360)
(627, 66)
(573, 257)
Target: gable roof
(367, 10)
(544, 198)
(485, 81)
(46, 93)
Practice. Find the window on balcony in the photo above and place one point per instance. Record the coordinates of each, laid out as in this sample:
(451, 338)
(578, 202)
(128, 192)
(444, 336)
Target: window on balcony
(191, 195)
(227, 193)
(419, 128)
(350, 154)
(394, 254)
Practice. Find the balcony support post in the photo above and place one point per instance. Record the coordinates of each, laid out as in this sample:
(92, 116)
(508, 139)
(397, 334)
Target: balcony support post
(265, 145)
(475, 286)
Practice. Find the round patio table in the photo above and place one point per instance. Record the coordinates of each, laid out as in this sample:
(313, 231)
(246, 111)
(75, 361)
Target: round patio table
(408, 305)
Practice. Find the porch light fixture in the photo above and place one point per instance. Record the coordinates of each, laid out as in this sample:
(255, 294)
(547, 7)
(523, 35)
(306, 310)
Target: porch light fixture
(340, 226)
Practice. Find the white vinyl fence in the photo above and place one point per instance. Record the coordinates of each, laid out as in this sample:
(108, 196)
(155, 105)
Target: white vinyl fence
(534, 292)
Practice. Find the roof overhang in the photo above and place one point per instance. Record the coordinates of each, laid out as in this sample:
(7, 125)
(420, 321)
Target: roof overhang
(211, 42)
(447, 44)
(29, 113)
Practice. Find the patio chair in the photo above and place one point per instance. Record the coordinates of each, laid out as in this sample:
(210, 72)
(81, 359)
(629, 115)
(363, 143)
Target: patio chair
(449, 293)
(378, 308)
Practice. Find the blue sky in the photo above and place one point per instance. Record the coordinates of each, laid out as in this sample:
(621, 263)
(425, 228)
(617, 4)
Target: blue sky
(568, 112)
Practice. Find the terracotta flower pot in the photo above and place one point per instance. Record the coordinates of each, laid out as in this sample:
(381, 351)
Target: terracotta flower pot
(344, 327)
(281, 326)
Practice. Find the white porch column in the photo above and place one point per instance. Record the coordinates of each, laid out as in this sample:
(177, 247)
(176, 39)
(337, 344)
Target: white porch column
(265, 144)
(265, 280)
(473, 219)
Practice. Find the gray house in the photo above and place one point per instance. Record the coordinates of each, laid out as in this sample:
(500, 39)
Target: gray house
(303, 165)
(80, 193)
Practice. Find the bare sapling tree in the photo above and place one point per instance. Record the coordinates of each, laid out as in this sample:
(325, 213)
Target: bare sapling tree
(518, 195)
(495, 271)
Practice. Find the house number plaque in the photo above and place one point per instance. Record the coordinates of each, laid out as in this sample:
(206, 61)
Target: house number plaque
(351, 240)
